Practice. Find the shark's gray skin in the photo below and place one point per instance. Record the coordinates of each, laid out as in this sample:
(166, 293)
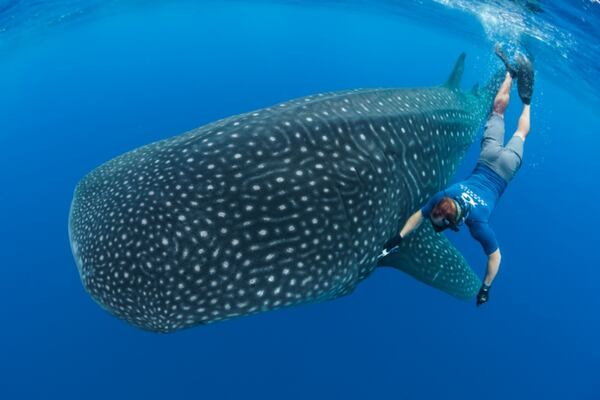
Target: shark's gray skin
(285, 205)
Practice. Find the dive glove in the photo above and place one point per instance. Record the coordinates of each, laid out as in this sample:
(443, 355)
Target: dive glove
(483, 295)
(393, 242)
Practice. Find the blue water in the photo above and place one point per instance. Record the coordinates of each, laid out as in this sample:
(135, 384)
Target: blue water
(82, 82)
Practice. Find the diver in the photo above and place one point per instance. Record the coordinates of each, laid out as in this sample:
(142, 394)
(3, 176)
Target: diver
(472, 200)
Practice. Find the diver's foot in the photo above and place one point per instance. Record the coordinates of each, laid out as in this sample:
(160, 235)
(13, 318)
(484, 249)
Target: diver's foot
(525, 78)
(511, 69)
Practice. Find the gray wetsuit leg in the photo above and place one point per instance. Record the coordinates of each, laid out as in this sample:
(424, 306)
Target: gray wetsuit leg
(504, 160)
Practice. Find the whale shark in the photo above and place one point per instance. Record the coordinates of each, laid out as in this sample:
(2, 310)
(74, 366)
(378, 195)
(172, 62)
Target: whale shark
(282, 206)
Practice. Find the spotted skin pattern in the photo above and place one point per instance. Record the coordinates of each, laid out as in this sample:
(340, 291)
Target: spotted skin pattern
(285, 205)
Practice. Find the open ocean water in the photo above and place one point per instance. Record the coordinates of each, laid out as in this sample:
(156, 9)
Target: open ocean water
(82, 82)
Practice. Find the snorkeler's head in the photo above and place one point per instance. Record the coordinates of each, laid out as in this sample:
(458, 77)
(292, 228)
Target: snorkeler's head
(447, 213)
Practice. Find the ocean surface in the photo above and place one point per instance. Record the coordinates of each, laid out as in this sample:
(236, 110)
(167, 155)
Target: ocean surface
(84, 81)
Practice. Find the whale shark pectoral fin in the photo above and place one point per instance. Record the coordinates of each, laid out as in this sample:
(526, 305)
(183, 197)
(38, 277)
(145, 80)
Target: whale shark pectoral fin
(453, 81)
(431, 258)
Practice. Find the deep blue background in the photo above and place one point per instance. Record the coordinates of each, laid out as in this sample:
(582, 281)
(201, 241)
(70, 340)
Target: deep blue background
(94, 90)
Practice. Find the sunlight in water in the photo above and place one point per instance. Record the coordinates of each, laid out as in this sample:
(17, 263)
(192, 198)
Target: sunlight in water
(509, 21)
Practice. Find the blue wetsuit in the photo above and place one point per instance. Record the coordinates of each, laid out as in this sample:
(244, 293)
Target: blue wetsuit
(482, 190)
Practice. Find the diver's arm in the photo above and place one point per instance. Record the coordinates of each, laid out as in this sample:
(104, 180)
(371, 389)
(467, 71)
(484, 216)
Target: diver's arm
(493, 264)
(412, 223)
(482, 232)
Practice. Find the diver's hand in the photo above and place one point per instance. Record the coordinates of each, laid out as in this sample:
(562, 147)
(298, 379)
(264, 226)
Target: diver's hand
(393, 242)
(483, 295)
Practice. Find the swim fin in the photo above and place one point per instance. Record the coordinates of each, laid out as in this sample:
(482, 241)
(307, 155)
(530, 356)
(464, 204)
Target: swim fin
(525, 78)
(512, 69)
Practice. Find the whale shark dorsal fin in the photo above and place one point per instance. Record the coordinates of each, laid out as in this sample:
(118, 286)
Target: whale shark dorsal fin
(475, 89)
(431, 258)
(453, 81)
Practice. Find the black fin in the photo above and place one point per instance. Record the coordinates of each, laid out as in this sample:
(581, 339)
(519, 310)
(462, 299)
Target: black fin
(512, 69)
(453, 81)
(525, 79)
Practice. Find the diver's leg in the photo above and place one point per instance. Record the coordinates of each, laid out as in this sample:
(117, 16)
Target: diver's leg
(493, 133)
(503, 96)
(510, 158)
(524, 123)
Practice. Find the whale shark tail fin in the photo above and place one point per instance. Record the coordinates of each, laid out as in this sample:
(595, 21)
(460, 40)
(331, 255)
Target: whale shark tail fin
(453, 81)
(430, 258)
